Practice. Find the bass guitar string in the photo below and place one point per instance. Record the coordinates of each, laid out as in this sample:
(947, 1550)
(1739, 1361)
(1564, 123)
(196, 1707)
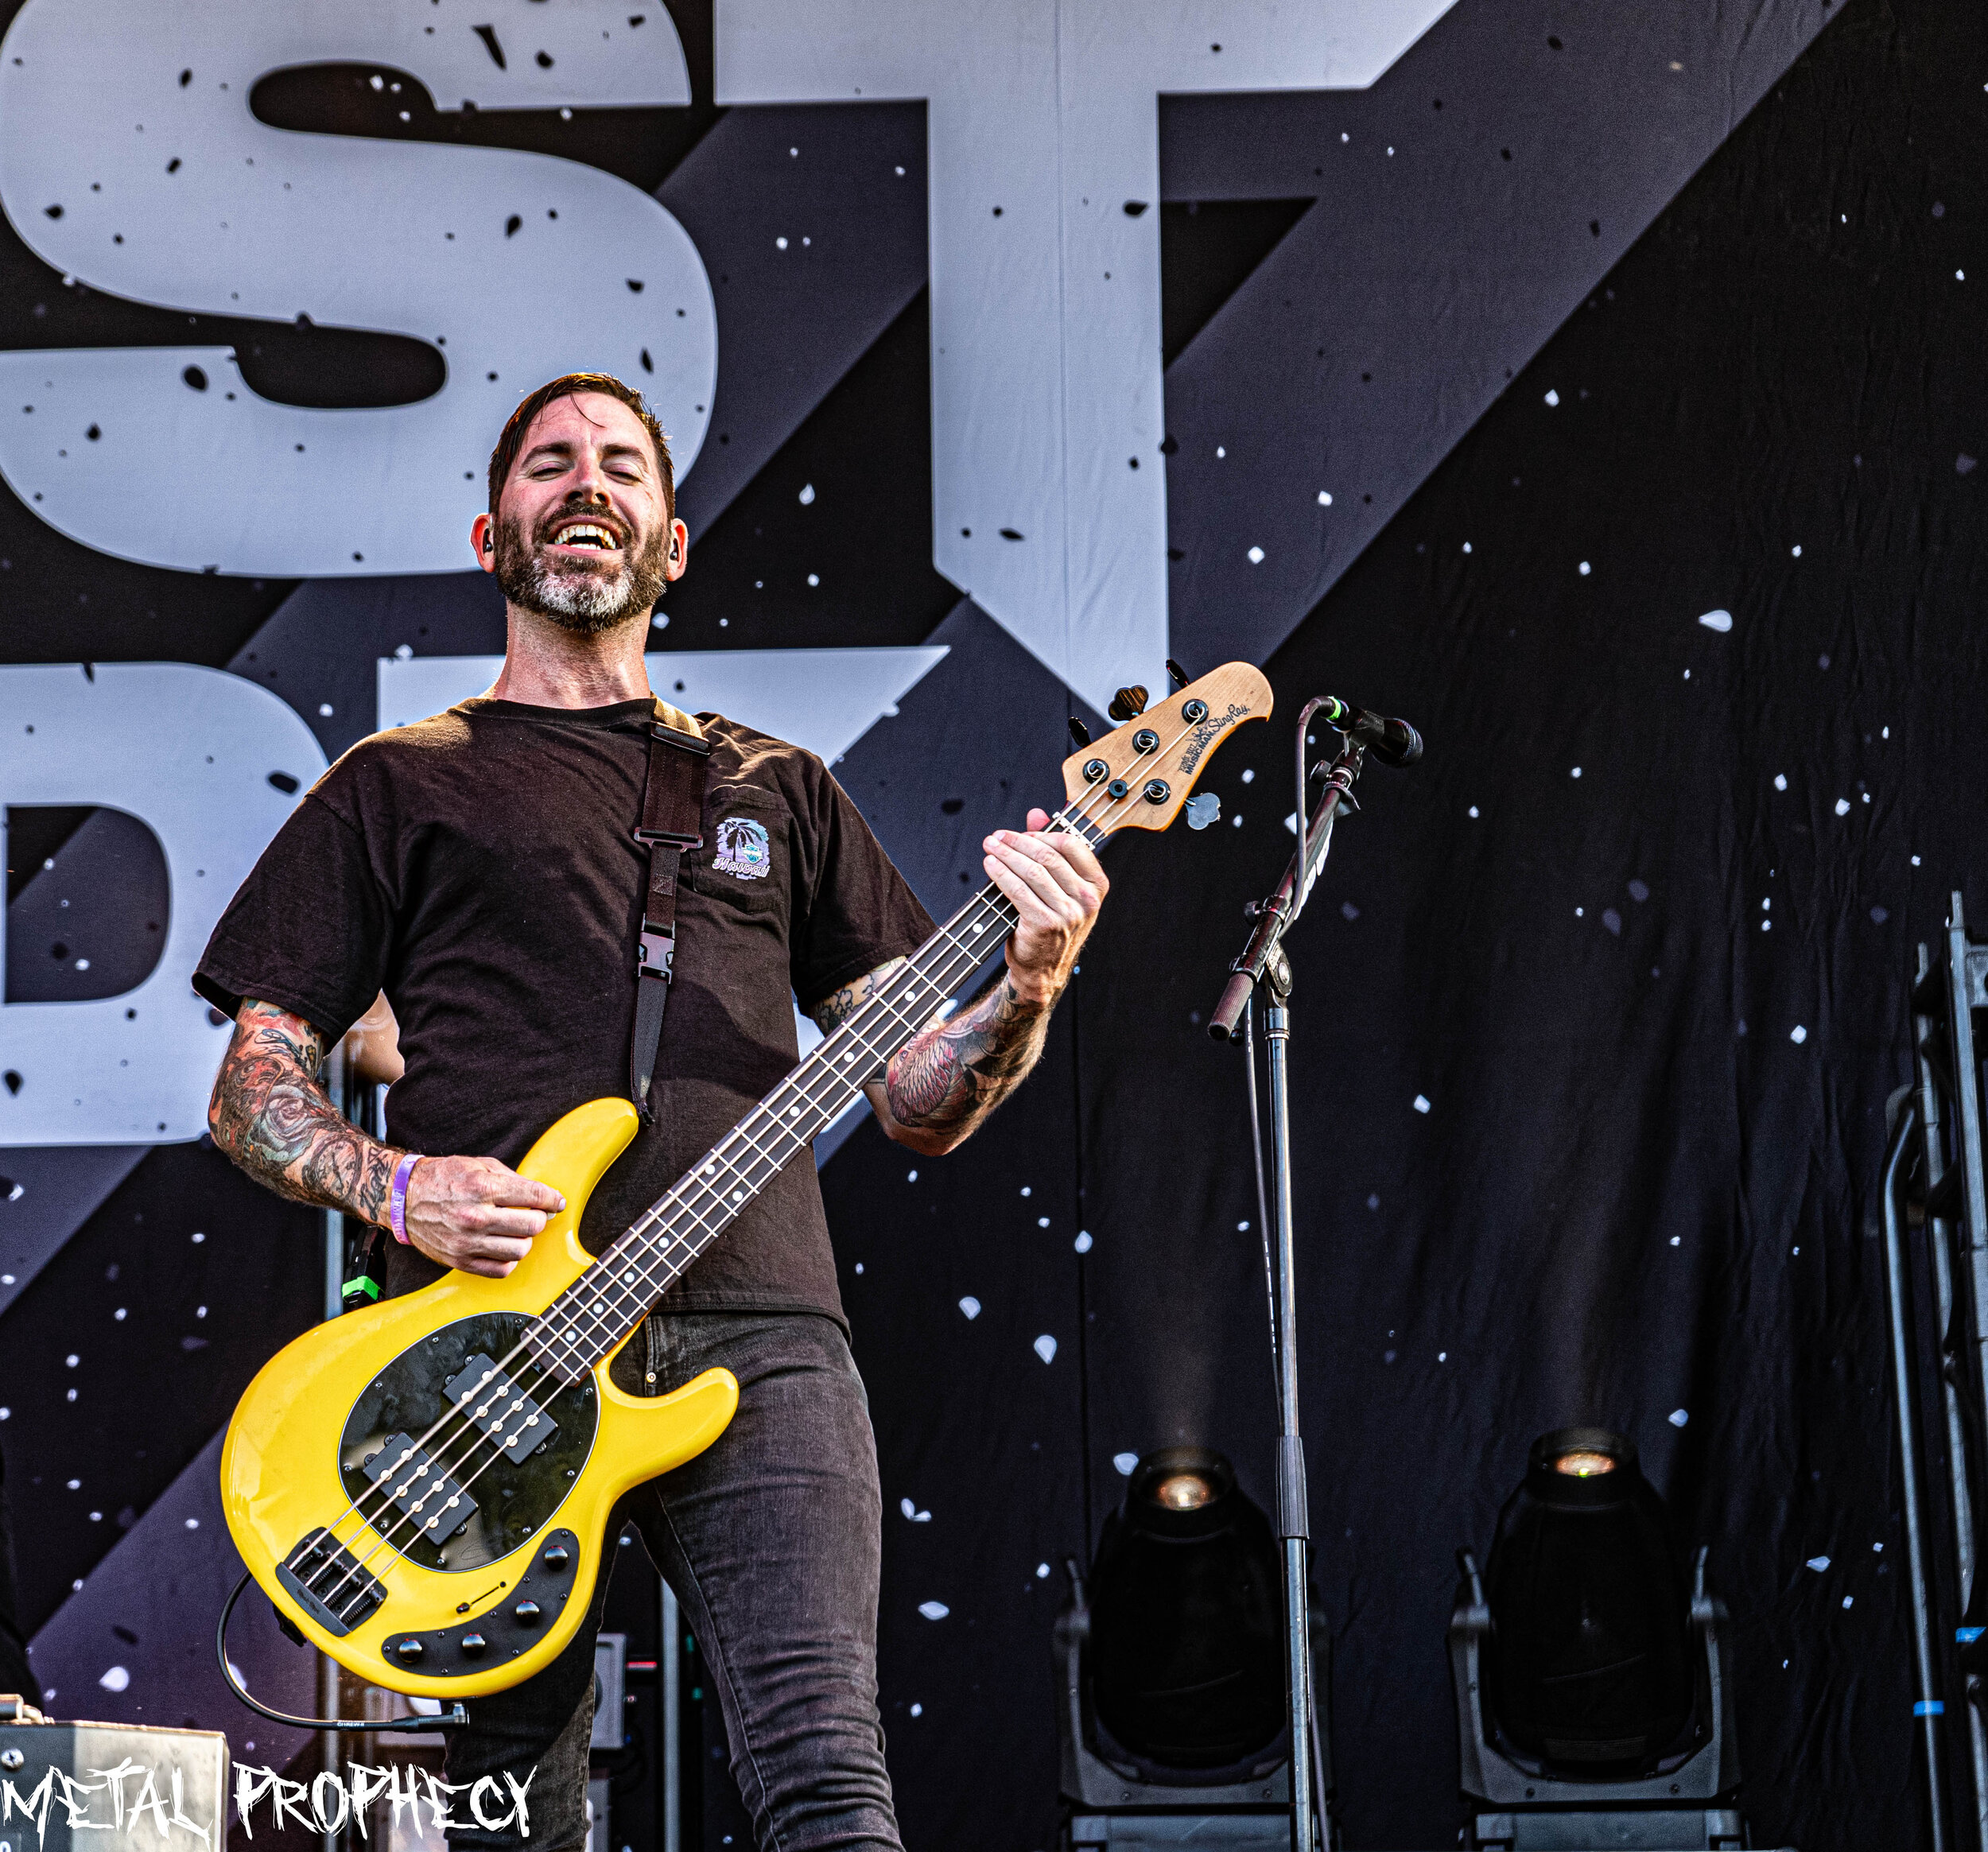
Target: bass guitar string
(989, 907)
(963, 959)
(888, 1007)
(541, 1379)
(543, 1374)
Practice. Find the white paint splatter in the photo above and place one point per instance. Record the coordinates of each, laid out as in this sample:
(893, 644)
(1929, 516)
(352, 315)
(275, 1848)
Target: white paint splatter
(1125, 1462)
(807, 495)
(1842, 806)
(1718, 620)
(1082, 1244)
(933, 1610)
(192, 1523)
(1325, 499)
(1780, 781)
(912, 1512)
(917, 1709)
(117, 1679)
(1553, 398)
(1797, 553)
(970, 1305)
(1045, 1348)
(1256, 556)
(1042, 1569)
(779, 244)
(1679, 1417)
(1585, 568)
(1421, 1103)
(1819, 1563)
(1473, 810)
(1798, 1033)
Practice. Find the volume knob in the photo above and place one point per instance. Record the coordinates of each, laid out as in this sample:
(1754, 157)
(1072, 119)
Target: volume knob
(407, 1651)
(555, 1556)
(473, 1645)
(526, 1613)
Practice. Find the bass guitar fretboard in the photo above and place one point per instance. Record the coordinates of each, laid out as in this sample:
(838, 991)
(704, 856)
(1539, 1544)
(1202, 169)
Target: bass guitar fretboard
(599, 1310)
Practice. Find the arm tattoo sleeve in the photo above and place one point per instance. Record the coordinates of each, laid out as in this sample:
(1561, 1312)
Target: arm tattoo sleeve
(949, 1077)
(271, 1114)
(836, 1009)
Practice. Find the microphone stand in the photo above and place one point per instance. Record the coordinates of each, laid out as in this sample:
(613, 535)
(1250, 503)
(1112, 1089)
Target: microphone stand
(1263, 963)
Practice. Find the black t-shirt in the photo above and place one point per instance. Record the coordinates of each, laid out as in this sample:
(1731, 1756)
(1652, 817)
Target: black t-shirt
(480, 868)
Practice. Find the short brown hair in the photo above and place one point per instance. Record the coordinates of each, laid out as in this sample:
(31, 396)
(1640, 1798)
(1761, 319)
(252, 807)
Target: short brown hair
(570, 385)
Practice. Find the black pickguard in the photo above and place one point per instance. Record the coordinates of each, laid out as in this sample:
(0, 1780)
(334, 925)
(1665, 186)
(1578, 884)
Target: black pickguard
(513, 1501)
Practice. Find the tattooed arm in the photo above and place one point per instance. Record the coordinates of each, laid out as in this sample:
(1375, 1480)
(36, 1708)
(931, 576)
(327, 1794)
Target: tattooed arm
(271, 1114)
(939, 1087)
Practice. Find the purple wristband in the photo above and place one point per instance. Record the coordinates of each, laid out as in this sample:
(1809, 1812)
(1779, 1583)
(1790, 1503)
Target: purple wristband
(397, 1196)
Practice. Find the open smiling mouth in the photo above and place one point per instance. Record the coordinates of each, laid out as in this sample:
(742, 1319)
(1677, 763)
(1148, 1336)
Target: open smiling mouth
(587, 536)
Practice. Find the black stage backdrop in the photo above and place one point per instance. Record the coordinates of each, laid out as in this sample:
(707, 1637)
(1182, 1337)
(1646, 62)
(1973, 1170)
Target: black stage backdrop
(1597, 1009)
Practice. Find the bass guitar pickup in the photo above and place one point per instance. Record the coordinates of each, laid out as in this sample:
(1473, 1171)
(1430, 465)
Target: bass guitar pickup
(504, 1412)
(424, 1491)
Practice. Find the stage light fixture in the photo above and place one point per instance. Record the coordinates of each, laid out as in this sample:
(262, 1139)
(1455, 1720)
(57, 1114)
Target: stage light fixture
(1590, 1656)
(1170, 1667)
(1594, 1703)
(1186, 1641)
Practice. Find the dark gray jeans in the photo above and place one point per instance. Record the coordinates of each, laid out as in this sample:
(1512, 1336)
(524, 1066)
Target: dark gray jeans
(771, 1539)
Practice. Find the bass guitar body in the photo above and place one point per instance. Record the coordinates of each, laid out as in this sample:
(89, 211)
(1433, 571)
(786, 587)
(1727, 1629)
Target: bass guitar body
(442, 1569)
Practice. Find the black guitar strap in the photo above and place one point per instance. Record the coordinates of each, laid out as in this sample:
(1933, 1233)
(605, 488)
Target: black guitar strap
(672, 821)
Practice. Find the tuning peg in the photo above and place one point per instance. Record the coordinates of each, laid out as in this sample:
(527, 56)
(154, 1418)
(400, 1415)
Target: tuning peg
(1178, 674)
(1079, 732)
(1128, 704)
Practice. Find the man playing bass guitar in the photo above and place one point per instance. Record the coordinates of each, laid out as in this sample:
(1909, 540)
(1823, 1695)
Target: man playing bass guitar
(481, 870)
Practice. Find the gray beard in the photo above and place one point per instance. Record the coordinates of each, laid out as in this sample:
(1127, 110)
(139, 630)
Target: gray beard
(584, 604)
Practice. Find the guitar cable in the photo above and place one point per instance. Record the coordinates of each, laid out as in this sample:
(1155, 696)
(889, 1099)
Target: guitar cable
(455, 1717)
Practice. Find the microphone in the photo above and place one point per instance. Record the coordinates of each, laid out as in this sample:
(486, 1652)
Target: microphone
(1392, 742)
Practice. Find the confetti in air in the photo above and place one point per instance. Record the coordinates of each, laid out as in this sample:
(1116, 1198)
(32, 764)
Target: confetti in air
(1679, 1417)
(1045, 1348)
(1125, 1462)
(1716, 620)
(970, 1305)
(933, 1610)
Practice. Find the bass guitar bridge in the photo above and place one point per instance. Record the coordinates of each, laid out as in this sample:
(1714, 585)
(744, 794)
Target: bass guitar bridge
(327, 1581)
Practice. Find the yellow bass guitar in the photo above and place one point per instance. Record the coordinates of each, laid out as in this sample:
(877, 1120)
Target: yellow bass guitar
(421, 1488)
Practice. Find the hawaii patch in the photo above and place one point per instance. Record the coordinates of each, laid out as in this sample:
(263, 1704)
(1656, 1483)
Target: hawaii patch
(743, 849)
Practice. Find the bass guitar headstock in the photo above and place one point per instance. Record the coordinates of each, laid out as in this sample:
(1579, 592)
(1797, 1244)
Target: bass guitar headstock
(1138, 776)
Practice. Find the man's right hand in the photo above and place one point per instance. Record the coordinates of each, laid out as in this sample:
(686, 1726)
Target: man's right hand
(475, 1214)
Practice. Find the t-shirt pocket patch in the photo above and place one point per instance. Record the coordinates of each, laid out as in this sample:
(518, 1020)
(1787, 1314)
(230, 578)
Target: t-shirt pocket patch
(741, 848)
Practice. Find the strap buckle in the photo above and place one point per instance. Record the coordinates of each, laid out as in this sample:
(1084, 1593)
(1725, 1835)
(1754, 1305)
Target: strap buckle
(655, 954)
(688, 742)
(647, 838)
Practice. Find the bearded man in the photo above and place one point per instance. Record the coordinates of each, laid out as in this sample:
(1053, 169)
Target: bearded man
(481, 870)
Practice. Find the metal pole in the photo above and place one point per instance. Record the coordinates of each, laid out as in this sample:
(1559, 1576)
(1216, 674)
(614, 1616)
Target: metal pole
(1292, 1504)
(669, 1665)
(1928, 1708)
